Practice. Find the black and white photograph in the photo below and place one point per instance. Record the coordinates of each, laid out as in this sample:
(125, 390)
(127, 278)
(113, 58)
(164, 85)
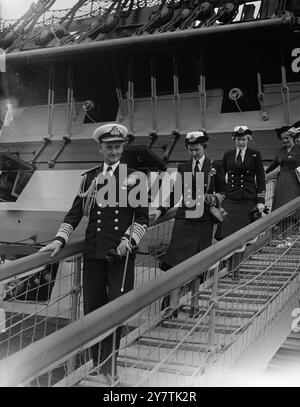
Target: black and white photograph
(149, 196)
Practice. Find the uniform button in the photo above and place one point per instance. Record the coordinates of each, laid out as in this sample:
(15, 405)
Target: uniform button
(116, 212)
(98, 221)
(189, 196)
(98, 230)
(188, 202)
(98, 213)
(117, 203)
(189, 190)
(232, 185)
(116, 228)
(116, 220)
(100, 204)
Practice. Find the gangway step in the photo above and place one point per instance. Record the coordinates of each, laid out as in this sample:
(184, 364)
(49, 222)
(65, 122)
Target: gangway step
(274, 270)
(219, 328)
(236, 300)
(264, 250)
(132, 376)
(196, 337)
(224, 313)
(266, 262)
(168, 367)
(192, 347)
(255, 287)
(278, 277)
(244, 296)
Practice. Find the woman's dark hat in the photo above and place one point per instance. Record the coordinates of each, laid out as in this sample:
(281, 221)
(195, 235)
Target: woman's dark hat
(195, 137)
(284, 129)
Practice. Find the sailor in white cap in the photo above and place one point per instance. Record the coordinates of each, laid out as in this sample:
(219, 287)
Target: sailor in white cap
(111, 228)
(190, 236)
(245, 187)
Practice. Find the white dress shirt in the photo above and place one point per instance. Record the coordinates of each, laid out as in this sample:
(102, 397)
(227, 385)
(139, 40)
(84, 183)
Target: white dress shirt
(200, 165)
(243, 152)
(113, 167)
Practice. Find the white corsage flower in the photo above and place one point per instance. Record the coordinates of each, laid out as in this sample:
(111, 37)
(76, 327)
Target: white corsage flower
(130, 182)
(213, 172)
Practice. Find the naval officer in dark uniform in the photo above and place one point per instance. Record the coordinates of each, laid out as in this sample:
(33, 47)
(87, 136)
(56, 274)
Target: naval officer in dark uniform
(109, 228)
(191, 235)
(245, 187)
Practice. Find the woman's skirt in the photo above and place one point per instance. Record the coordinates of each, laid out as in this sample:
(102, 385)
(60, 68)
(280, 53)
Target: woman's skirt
(238, 216)
(188, 238)
(287, 189)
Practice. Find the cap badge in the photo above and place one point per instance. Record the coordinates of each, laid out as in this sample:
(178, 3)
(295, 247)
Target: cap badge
(115, 131)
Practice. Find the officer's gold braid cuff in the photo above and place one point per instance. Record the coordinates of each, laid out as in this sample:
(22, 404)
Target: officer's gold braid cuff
(138, 232)
(64, 232)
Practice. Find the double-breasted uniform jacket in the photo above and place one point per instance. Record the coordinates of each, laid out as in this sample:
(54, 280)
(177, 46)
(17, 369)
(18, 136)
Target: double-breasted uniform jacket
(107, 225)
(247, 182)
(214, 182)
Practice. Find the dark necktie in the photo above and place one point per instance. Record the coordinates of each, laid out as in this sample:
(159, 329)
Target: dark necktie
(196, 168)
(239, 161)
(108, 175)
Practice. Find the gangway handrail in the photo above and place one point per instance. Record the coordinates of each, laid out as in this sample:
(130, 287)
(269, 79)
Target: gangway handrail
(57, 347)
(33, 261)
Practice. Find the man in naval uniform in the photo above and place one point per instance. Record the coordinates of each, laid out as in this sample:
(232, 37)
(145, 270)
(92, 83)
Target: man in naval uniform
(111, 227)
(193, 234)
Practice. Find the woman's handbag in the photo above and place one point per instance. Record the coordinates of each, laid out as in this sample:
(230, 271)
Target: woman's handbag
(216, 209)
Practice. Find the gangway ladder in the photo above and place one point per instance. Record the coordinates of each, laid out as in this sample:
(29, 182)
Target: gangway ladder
(70, 109)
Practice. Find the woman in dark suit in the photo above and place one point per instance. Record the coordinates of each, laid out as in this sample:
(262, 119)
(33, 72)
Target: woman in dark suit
(193, 234)
(245, 187)
(288, 158)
